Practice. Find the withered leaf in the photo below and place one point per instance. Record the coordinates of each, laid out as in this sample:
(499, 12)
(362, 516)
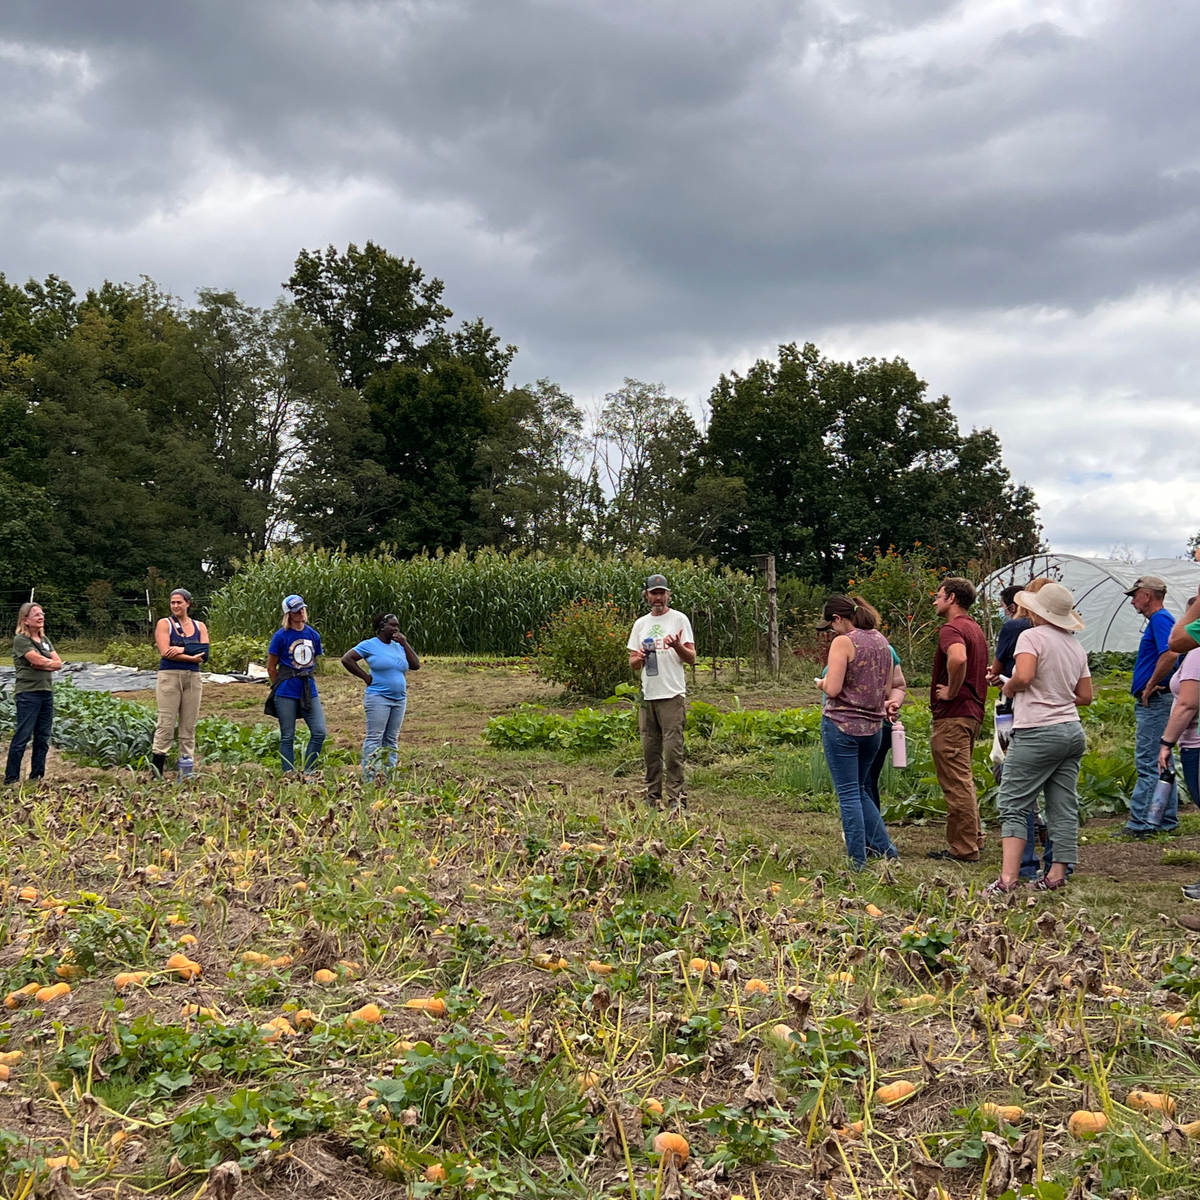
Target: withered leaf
(926, 1173)
(223, 1181)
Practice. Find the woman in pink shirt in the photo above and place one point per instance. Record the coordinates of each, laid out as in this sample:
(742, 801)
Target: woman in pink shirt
(1049, 684)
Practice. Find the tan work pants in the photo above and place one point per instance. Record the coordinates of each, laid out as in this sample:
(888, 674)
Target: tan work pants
(178, 696)
(661, 725)
(951, 743)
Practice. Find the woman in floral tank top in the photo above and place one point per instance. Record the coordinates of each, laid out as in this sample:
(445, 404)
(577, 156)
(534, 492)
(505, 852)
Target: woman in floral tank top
(858, 697)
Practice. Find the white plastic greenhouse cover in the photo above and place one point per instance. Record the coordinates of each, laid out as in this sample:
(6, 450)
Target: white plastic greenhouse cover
(1098, 585)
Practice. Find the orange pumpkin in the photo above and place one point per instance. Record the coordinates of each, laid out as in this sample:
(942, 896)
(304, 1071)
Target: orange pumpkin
(369, 1014)
(757, 987)
(893, 1093)
(1086, 1125)
(1010, 1113)
(435, 1006)
(672, 1147)
(54, 992)
(183, 966)
(1151, 1102)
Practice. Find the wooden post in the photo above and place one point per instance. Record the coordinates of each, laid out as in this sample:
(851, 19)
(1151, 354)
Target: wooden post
(766, 564)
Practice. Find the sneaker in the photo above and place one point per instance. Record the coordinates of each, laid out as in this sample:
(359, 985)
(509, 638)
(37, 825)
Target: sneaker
(1191, 891)
(1190, 923)
(999, 888)
(1045, 885)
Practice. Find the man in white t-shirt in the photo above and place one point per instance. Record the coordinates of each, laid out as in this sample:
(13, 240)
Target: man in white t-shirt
(662, 644)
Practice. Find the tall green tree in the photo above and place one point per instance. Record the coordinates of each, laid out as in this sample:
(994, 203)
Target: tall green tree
(644, 439)
(258, 375)
(536, 492)
(839, 460)
(377, 309)
(432, 424)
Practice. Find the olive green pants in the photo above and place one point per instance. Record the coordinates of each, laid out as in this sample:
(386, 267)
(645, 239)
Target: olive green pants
(661, 725)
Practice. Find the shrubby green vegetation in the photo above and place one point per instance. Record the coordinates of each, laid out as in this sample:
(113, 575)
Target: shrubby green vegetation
(228, 654)
(787, 746)
(96, 729)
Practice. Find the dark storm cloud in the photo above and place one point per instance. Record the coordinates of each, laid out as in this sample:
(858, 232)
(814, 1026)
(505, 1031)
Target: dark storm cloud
(627, 186)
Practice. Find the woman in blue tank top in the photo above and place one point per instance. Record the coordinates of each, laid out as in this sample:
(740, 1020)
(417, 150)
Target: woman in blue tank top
(183, 644)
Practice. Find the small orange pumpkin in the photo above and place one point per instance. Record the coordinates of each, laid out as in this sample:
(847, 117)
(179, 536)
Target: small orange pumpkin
(672, 1147)
(435, 1006)
(1151, 1102)
(893, 1093)
(1086, 1125)
(183, 966)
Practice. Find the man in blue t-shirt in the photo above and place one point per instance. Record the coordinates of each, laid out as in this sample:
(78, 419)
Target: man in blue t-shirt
(1151, 673)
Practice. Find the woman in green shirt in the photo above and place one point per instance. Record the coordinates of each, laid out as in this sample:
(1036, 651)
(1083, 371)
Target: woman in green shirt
(36, 661)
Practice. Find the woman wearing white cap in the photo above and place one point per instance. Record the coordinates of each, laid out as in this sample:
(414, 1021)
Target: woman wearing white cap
(1049, 684)
(291, 664)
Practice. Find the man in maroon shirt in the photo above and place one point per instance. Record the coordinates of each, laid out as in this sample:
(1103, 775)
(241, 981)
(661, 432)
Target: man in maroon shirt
(956, 701)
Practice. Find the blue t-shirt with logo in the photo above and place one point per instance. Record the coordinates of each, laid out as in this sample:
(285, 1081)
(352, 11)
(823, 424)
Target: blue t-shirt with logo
(1154, 641)
(388, 664)
(295, 648)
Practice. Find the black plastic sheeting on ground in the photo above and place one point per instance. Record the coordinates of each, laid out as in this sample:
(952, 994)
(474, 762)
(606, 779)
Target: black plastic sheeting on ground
(105, 677)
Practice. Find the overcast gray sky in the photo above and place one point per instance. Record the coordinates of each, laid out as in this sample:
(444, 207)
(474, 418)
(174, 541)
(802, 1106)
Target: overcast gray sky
(1004, 192)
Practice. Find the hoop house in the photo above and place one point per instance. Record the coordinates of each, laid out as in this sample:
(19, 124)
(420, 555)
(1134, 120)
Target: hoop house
(1098, 585)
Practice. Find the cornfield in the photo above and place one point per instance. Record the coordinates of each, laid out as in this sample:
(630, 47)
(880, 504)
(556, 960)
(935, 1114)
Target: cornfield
(481, 603)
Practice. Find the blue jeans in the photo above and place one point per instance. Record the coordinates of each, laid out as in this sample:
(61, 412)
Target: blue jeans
(1189, 763)
(288, 710)
(1151, 724)
(35, 718)
(878, 763)
(384, 718)
(850, 760)
(1031, 866)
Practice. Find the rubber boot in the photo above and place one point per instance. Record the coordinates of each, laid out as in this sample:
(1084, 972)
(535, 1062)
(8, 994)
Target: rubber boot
(158, 764)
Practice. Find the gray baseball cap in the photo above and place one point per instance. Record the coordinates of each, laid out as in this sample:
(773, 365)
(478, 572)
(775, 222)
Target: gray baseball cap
(1151, 583)
(657, 581)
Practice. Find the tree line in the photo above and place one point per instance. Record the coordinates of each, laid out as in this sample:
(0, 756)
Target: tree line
(144, 440)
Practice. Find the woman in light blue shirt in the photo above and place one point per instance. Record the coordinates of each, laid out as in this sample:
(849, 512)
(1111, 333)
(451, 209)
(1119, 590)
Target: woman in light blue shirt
(390, 658)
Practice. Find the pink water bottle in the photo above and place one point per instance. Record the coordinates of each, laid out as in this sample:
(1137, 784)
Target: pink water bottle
(899, 746)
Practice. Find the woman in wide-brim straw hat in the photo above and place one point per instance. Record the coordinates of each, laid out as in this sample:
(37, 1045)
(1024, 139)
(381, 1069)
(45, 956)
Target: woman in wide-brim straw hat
(1049, 684)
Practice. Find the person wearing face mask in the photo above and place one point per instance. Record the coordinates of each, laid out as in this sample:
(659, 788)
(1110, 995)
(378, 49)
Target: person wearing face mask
(662, 644)
(390, 658)
(183, 644)
(36, 660)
